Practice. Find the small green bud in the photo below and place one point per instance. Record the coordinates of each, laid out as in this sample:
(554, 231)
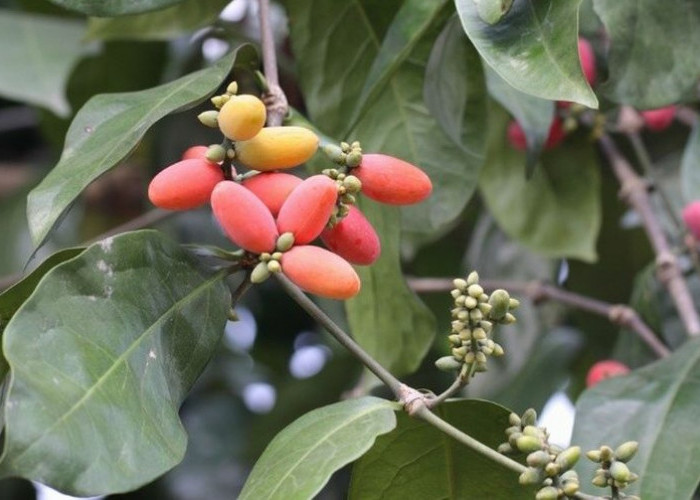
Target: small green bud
(626, 451)
(606, 453)
(232, 88)
(265, 256)
(348, 199)
(345, 147)
(484, 297)
(508, 319)
(619, 471)
(475, 315)
(230, 153)
(473, 278)
(499, 301)
(285, 241)
(335, 154)
(504, 449)
(458, 326)
(600, 480)
(463, 315)
(465, 334)
(470, 302)
(633, 477)
(260, 273)
(481, 367)
(570, 488)
(455, 293)
(487, 350)
(459, 301)
(455, 339)
(485, 308)
(460, 284)
(215, 153)
(593, 455)
(209, 118)
(552, 469)
(530, 476)
(469, 357)
(486, 325)
(448, 364)
(475, 290)
(531, 430)
(514, 419)
(513, 303)
(547, 493)
(529, 417)
(513, 439)
(480, 357)
(276, 255)
(568, 458)
(569, 475)
(479, 333)
(513, 429)
(460, 352)
(274, 266)
(498, 350)
(555, 450)
(528, 444)
(352, 184)
(538, 459)
(217, 101)
(353, 159)
(632, 497)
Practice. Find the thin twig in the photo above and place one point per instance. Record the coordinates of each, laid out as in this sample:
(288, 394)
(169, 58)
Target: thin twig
(687, 116)
(275, 100)
(634, 191)
(537, 291)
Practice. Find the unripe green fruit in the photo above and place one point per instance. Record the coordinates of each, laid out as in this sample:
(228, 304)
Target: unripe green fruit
(568, 458)
(285, 242)
(528, 444)
(260, 273)
(620, 472)
(626, 451)
(499, 301)
(448, 364)
(215, 153)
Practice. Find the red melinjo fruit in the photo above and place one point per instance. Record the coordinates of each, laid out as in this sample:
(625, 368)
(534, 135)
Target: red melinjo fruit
(244, 218)
(318, 271)
(587, 57)
(516, 135)
(691, 217)
(195, 152)
(659, 119)
(273, 188)
(353, 238)
(307, 209)
(184, 185)
(390, 180)
(605, 369)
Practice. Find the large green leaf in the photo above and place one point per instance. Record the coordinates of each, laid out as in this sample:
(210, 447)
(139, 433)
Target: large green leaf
(652, 58)
(455, 91)
(690, 167)
(109, 8)
(301, 458)
(658, 406)
(386, 317)
(160, 25)
(416, 460)
(534, 47)
(108, 128)
(38, 53)
(101, 356)
(557, 211)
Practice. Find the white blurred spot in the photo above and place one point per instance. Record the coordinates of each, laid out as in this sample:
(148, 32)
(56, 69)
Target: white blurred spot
(558, 417)
(563, 272)
(630, 220)
(240, 335)
(259, 397)
(234, 11)
(214, 49)
(308, 361)
(46, 493)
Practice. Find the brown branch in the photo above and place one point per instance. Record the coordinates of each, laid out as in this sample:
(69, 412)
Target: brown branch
(687, 116)
(536, 291)
(634, 191)
(274, 98)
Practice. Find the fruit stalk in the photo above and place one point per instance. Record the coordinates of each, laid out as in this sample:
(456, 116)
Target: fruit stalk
(274, 98)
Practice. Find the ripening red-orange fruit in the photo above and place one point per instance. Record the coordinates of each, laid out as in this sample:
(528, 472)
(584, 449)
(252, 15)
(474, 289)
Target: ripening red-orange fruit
(277, 147)
(390, 180)
(184, 185)
(691, 217)
(242, 117)
(605, 369)
(587, 57)
(659, 119)
(516, 135)
(195, 152)
(244, 218)
(272, 188)
(353, 238)
(307, 209)
(321, 272)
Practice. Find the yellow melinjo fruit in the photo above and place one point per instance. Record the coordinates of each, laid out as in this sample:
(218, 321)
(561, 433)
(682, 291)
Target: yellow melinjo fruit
(277, 147)
(242, 117)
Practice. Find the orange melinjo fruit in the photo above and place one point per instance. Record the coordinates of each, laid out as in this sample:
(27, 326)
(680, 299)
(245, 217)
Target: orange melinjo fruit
(195, 152)
(389, 180)
(307, 209)
(242, 117)
(184, 185)
(244, 218)
(277, 147)
(318, 271)
(353, 238)
(272, 188)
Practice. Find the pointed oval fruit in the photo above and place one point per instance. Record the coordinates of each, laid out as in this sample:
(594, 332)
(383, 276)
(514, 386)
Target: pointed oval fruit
(306, 211)
(587, 57)
(321, 272)
(605, 369)
(242, 117)
(195, 152)
(516, 135)
(659, 119)
(691, 217)
(273, 188)
(184, 185)
(244, 218)
(353, 238)
(390, 180)
(277, 147)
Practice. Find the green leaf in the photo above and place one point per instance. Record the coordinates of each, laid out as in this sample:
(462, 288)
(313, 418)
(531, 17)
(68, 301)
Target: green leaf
(556, 212)
(652, 59)
(112, 8)
(301, 458)
(411, 23)
(387, 319)
(107, 129)
(658, 406)
(690, 167)
(102, 355)
(492, 11)
(164, 24)
(37, 57)
(534, 48)
(455, 91)
(532, 113)
(416, 460)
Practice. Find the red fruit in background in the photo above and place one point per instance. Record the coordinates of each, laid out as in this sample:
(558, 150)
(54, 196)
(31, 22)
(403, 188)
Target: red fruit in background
(307, 209)
(605, 369)
(691, 217)
(244, 218)
(353, 238)
(587, 57)
(516, 135)
(318, 271)
(272, 188)
(659, 119)
(195, 152)
(390, 180)
(184, 185)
